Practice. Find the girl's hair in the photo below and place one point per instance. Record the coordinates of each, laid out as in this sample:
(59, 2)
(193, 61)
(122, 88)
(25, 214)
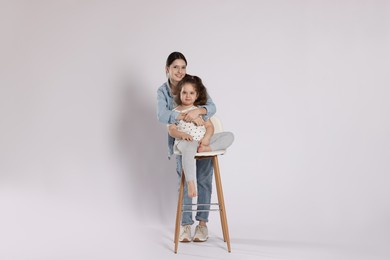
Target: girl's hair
(174, 56)
(200, 89)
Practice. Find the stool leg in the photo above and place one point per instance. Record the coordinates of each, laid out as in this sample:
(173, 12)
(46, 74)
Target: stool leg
(221, 202)
(179, 211)
(218, 186)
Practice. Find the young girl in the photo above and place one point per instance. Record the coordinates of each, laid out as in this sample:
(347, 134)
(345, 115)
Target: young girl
(191, 138)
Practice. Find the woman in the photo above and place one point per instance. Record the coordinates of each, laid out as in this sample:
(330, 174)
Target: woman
(176, 68)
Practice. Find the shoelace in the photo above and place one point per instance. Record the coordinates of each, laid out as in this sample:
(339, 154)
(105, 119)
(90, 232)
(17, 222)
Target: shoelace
(185, 229)
(202, 229)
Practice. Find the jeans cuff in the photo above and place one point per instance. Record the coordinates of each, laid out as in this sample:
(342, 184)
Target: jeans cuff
(185, 224)
(201, 219)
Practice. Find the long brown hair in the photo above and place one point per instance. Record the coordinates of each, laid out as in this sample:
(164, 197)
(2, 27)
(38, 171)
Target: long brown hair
(200, 89)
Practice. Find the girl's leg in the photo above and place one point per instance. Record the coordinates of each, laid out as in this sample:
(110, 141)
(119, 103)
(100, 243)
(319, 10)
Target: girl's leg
(219, 141)
(188, 151)
(186, 216)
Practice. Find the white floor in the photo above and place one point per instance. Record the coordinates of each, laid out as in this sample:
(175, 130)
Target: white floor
(246, 248)
(158, 244)
(91, 239)
(33, 230)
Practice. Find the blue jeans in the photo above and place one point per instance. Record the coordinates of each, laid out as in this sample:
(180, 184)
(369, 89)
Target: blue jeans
(204, 175)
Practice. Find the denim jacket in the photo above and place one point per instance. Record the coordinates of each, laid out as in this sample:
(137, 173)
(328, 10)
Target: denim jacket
(165, 105)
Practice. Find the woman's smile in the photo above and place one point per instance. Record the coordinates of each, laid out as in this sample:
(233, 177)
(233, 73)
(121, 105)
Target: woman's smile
(177, 70)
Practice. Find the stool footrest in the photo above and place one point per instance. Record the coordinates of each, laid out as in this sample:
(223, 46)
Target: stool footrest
(200, 204)
(200, 210)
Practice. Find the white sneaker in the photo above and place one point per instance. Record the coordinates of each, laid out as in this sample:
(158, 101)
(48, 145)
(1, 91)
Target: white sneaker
(201, 233)
(185, 233)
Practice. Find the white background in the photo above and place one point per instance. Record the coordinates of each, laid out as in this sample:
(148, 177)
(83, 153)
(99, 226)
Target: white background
(304, 86)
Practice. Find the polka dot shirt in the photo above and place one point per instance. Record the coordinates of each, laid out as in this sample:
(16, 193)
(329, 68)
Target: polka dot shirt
(197, 132)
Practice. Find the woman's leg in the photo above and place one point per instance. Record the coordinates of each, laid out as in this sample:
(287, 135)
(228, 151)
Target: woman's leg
(204, 173)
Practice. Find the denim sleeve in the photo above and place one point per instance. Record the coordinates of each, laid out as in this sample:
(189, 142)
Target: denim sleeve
(164, 114)
(210, 107)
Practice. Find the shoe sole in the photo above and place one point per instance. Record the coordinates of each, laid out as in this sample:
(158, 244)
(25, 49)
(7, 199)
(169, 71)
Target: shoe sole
(185, 241)
(199, 240)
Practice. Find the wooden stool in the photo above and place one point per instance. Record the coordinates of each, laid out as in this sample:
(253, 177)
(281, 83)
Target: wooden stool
(221, 203)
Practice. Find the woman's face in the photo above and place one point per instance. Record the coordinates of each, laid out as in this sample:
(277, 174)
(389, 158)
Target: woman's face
(188, 94)
(177, 70)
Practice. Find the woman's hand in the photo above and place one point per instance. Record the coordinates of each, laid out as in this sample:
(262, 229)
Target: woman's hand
(186, 137)
(192, 115)
(198, 121)
(181, 116)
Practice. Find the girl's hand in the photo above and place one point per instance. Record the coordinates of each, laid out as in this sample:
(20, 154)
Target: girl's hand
(186, 137)
(192, 115)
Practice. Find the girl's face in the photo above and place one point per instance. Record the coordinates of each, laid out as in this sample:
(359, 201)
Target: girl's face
(176, 71)
(188, 94)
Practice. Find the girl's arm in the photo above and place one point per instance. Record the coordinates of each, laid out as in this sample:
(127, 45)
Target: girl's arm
(209, 133)
(172, 131)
